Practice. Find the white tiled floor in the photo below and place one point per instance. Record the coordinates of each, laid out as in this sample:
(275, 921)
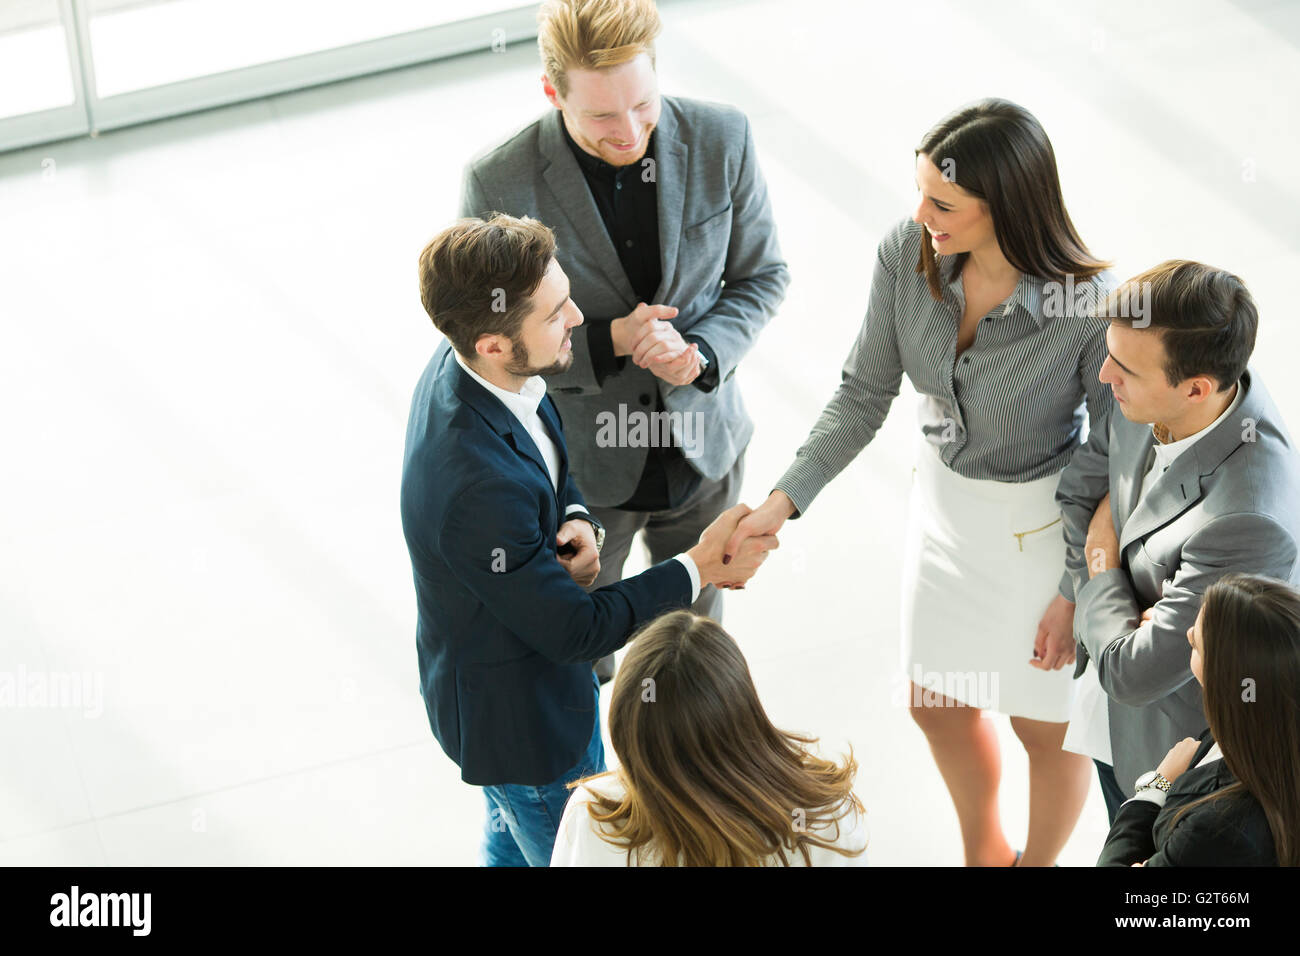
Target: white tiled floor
(211, 330)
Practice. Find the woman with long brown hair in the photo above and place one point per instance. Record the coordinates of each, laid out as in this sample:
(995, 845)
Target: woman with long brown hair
(704, 778)
(984, 297)
(1231, 797)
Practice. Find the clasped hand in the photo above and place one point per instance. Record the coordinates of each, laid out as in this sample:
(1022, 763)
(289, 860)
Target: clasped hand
(575, 548)
(647, 335)
(1178, 759)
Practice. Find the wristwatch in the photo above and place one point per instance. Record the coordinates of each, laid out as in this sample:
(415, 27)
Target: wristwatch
(596, 525)
(1152, 780)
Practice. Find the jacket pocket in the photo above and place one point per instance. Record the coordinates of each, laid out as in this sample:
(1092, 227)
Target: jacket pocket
(1160, 566)
(707, 225)
(526, 714)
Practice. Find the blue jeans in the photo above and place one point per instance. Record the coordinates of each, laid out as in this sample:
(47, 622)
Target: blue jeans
(522, 820)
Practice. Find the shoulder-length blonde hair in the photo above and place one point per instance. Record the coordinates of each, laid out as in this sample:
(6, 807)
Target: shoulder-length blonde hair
(709, 781)
(1000, 154)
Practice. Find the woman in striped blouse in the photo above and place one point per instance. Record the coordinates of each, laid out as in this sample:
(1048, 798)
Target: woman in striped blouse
(983, 297)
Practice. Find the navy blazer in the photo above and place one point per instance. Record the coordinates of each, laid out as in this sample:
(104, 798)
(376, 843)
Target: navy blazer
(505, 637)
(1230, 831)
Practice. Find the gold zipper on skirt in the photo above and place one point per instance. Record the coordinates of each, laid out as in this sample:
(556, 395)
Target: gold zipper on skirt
(1020, 535)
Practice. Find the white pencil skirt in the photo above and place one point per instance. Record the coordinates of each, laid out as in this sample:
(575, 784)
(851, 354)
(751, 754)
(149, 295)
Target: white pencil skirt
(982, 561)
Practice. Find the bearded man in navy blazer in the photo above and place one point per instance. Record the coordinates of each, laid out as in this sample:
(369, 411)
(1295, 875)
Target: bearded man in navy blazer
(502, 545)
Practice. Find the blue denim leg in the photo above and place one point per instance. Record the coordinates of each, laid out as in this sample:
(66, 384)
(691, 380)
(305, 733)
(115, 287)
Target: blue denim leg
(532, 814)
(499, 847)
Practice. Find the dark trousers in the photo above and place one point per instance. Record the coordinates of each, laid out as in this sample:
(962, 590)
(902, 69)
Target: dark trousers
(1110, 789)
(667, 534)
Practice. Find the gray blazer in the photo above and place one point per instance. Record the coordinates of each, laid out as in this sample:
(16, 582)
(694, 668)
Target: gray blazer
(722, 270)
(1231, 502)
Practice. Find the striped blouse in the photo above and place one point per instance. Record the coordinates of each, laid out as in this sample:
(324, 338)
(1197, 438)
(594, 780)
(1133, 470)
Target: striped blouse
(1011, 408)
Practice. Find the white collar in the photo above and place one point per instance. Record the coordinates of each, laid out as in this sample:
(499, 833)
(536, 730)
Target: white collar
(1173, 449)
(522, 403)
(1214, 753)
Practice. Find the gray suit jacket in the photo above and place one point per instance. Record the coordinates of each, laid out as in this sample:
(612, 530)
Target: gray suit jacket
(1231, 502)
(722, 270)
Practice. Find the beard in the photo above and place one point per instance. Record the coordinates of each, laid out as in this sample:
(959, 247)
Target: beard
(521, 363)
(613, 157)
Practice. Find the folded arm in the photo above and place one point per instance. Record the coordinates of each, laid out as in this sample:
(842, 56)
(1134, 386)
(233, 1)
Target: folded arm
(1141, 662)
(1130, 839)
(1084, 482)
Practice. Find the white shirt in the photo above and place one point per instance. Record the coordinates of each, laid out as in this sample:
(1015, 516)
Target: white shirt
(1089, 730)
(1162, 456)
(577, 843)
(523, 404)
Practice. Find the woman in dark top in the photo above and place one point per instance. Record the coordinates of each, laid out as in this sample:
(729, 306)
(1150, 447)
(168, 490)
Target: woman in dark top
(1239, 803)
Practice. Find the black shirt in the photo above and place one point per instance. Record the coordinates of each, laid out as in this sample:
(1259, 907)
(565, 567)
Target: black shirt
(627, 198)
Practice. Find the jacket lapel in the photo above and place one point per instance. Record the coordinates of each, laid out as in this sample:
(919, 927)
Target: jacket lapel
(671, 156)
(525, 445)
(500, 418)
(1207, 741)
(1180, 487)
(1127, 484)
(1171, 494)
(551, 419)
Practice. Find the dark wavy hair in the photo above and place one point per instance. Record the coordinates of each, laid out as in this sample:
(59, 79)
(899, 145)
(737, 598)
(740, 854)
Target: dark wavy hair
(999, 153)
(1250, 631)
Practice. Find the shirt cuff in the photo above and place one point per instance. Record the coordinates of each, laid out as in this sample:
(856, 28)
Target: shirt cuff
(709, 380)
(802, 482)
(1151, 795)
(694, 572)
(572, 508)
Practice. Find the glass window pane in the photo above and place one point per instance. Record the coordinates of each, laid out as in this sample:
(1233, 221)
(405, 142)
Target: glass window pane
(137, 45)
(35, 73)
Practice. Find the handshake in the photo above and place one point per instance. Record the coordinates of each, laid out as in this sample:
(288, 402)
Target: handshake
(727, 555)
(738, 541)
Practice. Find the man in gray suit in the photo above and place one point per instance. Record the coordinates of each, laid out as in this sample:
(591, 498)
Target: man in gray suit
(1197, 476)
(666, 233)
